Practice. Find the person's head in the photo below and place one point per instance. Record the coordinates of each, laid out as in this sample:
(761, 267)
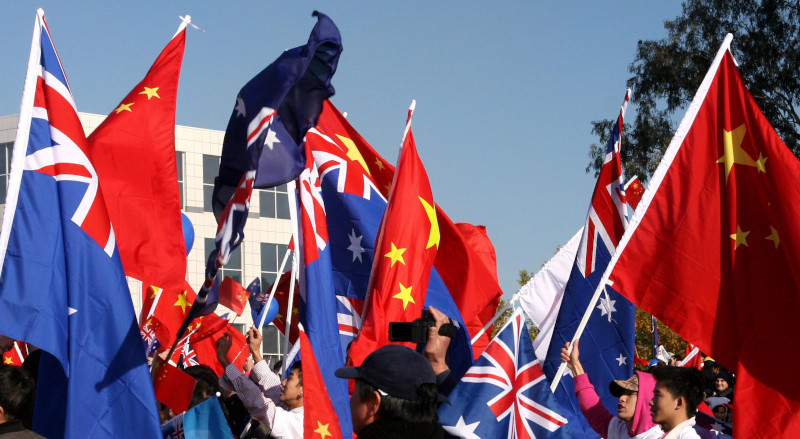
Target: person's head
(292, 387)
(721, 412)
(207, 383)
(627, 391)
(17, 390)
(277, 366)
(722, 381)
(394, 382)
(678, 392)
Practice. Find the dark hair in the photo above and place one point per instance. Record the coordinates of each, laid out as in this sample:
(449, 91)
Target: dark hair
(17, 390)
(207, 383)
(299, 368)
(683, 382)
(420, 410)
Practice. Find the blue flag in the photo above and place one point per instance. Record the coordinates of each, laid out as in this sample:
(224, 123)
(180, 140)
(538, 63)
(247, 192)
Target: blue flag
(505, 393)
(274, 110)
(205, 420)
(606, 346)
(62, 287)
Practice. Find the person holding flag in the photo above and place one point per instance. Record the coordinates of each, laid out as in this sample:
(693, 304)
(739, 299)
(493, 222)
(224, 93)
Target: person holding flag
(276, 404)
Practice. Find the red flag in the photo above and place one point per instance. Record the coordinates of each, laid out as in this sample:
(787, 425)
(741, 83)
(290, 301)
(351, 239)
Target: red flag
(282, 297)
(206, 350)
(173, 387)
(169, 307)
(406, 248)
(634, 189)
(133, 152)
(233, 295)
(693, 357)
(472, 284)
(320, 418)
(205, 327)
(712, 249)
(17, 354)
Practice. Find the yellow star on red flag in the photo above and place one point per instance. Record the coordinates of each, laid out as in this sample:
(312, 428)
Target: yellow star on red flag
(405, 295)
(733, 154)
(182, 302)
(150, 92)
(322, 430)
(124, 107)
(396, 254)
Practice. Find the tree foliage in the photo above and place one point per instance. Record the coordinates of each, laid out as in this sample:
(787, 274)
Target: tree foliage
(667, 73)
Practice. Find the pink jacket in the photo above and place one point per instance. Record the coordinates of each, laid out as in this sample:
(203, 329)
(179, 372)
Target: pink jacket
(599, 417)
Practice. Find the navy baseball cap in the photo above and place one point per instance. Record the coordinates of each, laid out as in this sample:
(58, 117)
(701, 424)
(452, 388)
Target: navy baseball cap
(393, 369)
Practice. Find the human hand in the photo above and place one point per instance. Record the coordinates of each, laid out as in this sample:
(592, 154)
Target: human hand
(436, 348)
(248, 364)
(224, 344)
(572, 358)
(254, 340)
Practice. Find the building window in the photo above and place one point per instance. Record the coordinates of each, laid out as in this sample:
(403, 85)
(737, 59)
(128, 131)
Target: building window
(210, 171)
(273, 343)
(5, 168)
(271, 257)
(233, 269)
(179, 158)
(274, 202)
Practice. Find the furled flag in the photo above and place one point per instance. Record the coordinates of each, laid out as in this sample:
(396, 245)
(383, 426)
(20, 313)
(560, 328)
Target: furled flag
(173, 387)
(205, 420)
(407, 245)
(607, 342)
(319, 417)
(353, 176)
(233, 295)
(318, 310)
(17, 354)
(714, 243)
(133, 152)
(62, 282)
(505, 394)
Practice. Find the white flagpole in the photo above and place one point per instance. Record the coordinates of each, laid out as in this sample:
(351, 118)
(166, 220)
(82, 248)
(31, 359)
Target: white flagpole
(655, 182)
(292, 192)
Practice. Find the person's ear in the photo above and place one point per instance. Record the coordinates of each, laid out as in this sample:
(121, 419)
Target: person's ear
(680, 404)
(375, 404)
(2, 414)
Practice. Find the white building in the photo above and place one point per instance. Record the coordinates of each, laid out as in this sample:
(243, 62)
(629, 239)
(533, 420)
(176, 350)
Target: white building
(198, 152)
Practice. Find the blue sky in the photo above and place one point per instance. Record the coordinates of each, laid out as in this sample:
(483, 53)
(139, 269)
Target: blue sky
(505, 91)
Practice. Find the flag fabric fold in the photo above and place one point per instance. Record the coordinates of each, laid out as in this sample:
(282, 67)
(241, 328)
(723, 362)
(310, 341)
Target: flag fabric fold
(319, 417)
(61, 270)
(133, 152)
(205, 420)
(714, 244)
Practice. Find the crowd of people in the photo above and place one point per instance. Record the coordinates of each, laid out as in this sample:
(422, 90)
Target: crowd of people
(396, 392)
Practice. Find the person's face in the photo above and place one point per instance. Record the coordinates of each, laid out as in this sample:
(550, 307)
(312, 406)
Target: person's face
(663, 406)
(291, 389)
(720, 412)
(359, 410)
(627, 405)
(721, 385)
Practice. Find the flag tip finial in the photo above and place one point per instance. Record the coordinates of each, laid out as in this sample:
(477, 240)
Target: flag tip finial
(187, 20)
(413, 105)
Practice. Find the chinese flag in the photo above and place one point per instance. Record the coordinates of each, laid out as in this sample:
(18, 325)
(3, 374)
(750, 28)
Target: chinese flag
(169, 307)
(470, 278)
(405, 251)
(634, 190)
(233, 295)
(319, 417)
(17, 354)
(206, 349)
(282, 296)
(173, 387)
(713, 248)
(133, 152)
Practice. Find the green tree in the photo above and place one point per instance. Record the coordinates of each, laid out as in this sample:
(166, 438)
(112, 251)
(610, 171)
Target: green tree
(644, 337)
(667, 72)
(524, 277)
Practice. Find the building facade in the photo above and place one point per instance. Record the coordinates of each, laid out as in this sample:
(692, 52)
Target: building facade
(197, 154)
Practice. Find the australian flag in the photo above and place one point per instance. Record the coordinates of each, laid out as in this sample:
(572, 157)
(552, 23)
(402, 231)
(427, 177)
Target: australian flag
(606, 345)
(274, 110)
(505, 393)
(62, 287)
(352, 189)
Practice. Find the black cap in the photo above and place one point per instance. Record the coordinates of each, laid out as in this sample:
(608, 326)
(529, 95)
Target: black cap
(393, 369)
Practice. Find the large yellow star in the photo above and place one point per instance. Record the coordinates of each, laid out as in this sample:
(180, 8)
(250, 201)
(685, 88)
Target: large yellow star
(353, 153)
(740, 237)
(182, 302)
(404, 295)
(124, 107)
(774, 237)
(396, 254)
(322, 430)
(433, 237)
(8, 360)
(150, 92)
(733, 154)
